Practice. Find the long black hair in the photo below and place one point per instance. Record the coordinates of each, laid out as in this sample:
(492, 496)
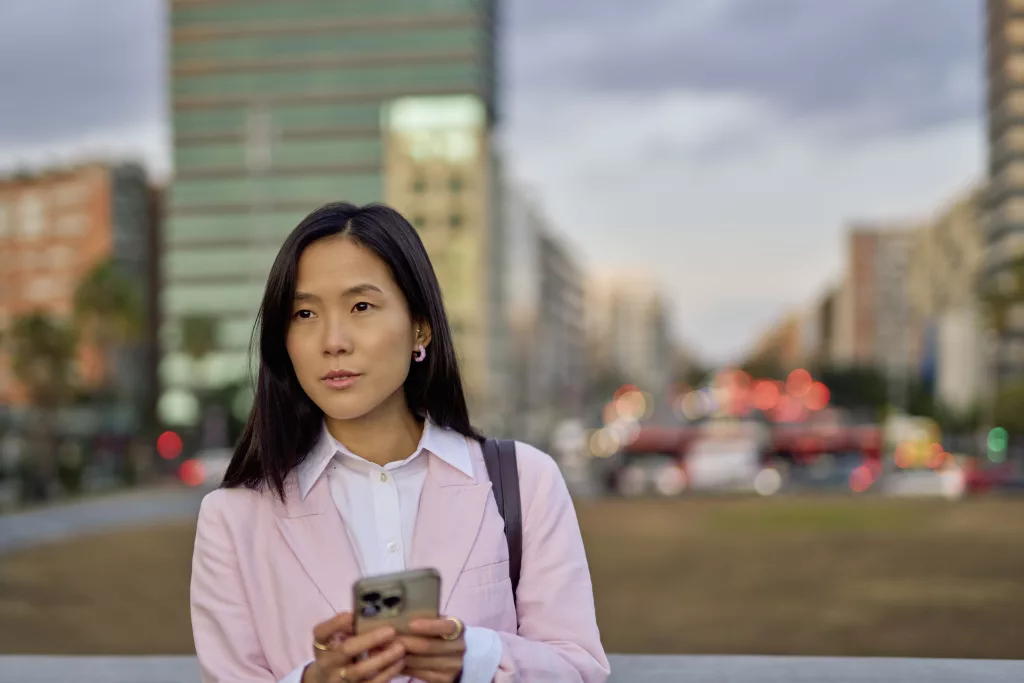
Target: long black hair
(284, 423)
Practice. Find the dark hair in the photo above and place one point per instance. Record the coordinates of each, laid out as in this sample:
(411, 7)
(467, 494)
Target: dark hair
(284, 423)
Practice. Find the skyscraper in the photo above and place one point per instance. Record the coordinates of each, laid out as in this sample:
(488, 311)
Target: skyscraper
(282, 105)
(1001, 280)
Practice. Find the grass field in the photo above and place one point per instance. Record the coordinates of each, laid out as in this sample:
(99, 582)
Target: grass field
(821, 576)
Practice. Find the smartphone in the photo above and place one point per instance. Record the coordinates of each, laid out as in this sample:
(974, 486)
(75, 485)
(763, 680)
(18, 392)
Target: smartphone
(396, 599)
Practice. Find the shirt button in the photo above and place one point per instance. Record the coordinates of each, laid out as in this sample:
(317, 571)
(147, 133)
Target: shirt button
(392, 546)
(384, 476)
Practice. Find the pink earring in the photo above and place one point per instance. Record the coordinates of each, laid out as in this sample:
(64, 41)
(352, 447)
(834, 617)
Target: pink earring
(421, 354)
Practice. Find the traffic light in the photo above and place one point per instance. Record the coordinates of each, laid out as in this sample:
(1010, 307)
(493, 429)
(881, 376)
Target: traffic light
(998, 440)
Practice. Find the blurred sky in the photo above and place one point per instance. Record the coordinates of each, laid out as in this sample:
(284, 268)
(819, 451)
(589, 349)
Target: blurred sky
(722, 145)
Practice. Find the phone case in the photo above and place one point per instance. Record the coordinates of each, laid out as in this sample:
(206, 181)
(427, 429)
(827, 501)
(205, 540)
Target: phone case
(396, 599)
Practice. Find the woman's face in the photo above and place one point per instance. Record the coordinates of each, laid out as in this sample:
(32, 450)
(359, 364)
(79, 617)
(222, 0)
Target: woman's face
(351, 337)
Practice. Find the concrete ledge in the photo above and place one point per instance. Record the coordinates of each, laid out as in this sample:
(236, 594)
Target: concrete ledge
(625, 669)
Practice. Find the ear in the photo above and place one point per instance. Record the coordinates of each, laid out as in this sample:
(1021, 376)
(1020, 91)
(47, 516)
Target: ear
(423, 334)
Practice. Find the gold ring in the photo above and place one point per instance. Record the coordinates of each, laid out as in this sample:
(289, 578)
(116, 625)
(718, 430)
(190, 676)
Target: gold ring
(343, 674)
(320, 646)
(459, 627)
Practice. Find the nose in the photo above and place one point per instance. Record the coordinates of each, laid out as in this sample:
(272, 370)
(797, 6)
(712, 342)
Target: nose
(337, 338)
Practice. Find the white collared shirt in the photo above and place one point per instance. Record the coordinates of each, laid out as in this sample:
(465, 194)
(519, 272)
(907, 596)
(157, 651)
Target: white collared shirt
(379, 507)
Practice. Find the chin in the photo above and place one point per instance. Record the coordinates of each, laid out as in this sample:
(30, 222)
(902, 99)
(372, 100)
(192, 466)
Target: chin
(347, 408)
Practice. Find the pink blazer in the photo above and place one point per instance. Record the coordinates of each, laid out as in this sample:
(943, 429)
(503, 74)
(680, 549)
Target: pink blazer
(265, 572)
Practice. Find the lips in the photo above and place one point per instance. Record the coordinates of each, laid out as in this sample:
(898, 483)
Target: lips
(339, 374)
(340, 379)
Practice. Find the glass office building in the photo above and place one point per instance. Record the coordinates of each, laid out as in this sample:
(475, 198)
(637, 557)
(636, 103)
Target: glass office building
(279, 106)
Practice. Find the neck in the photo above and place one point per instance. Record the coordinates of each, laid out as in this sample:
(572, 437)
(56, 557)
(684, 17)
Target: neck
(388, 434)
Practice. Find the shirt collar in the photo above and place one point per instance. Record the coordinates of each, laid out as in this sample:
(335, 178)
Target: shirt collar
(446, 444)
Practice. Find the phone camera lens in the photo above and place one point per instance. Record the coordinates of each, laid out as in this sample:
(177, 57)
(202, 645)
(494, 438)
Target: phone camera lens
(369, 610)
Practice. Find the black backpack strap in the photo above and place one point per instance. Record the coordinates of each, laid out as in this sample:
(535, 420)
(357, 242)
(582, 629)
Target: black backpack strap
(500, 459)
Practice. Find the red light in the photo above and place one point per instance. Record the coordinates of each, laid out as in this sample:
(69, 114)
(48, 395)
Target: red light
(861, 479)
(192, 473)
(817, 397)
(799, 383)
(766, 395)
(169, 445)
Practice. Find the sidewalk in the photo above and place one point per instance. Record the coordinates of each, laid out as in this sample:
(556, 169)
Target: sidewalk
(134, 507)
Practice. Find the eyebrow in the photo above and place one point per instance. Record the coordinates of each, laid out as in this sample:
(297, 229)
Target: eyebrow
(353, 290)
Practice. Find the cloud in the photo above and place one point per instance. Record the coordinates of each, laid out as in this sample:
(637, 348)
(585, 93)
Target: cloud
(866, 68)
(79, 68)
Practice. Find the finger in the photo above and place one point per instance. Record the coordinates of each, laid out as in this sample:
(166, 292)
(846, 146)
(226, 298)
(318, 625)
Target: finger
(449, 664)
(340, 624)
(432, 646)
(356, 645)
(387, 674)
(371, 666)
(428, 676)
(435, 628)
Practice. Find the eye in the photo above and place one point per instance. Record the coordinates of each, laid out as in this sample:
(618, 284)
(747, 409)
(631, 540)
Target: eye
(304, 314)
(362, 307)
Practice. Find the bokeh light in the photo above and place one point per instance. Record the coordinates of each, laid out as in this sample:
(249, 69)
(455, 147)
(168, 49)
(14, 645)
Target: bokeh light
(768, 482)
(670, 481)
(192, 472)
(169, 445)
(861, 479)
(799, 383)
(766, 395)
(817, 397)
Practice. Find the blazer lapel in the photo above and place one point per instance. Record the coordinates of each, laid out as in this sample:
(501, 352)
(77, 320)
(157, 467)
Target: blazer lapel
(316, 534)
(450, 514)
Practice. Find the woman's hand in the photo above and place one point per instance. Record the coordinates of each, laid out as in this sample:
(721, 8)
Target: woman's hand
(435, 650)
(337, 651)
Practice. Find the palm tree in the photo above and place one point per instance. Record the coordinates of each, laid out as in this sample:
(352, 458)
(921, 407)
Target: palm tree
(198, 336)
(108, 310)
(43, 354)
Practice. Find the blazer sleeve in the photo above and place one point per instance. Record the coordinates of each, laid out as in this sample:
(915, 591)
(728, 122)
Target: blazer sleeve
(226, 643)
(558, 638)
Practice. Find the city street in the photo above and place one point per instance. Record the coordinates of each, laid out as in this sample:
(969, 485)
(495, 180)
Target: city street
(792, 575)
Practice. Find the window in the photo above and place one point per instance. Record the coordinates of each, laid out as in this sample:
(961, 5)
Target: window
(61, 258)
(71, 224)
(419, 185)
(455, 184)
(32, 218)
(42, 289)
(419, 221)
(455, 221)
(71, 194)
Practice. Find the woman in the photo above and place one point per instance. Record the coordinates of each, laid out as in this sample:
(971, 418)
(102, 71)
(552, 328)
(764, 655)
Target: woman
(358, 459)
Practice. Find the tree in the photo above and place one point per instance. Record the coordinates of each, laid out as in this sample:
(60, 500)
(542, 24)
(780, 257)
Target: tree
(108, 310)
(43, 354)
(198, 336)
(1010, 407)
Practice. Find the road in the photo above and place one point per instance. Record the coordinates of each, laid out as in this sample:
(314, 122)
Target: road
(61, 522)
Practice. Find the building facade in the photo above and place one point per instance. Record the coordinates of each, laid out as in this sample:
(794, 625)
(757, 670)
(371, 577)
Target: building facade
(545, 312)
(1002, 276)
(281, 106)
(878, 300)
(55, 227)
(628, 335)
(784, 346)
(947, 258)
(439, 172)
